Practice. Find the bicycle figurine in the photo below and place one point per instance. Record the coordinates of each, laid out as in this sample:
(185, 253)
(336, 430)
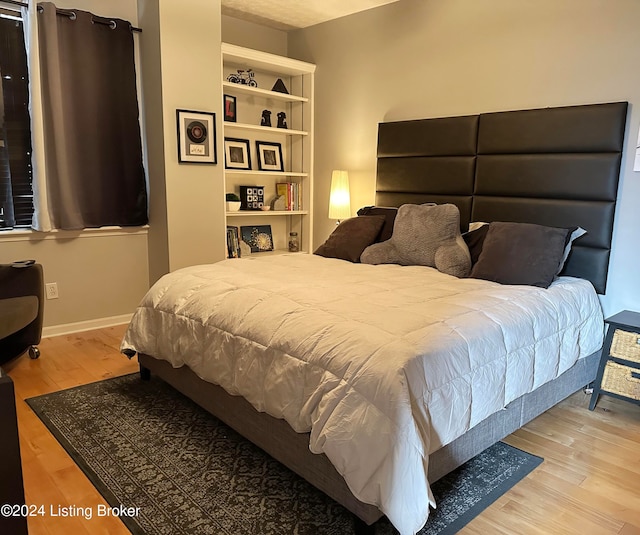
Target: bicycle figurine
(243, 77)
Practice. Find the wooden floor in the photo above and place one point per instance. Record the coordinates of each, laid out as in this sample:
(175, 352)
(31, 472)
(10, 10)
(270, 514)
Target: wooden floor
(588, 484)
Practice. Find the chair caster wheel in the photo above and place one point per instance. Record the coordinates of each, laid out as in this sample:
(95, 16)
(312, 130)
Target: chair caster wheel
(34, 352)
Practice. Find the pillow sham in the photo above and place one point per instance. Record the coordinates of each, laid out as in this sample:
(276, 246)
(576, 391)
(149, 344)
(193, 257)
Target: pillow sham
(389, 214)
(351, 237)
(424, 235)
(521, 253)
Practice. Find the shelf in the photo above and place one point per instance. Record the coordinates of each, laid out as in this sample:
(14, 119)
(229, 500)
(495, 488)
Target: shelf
(256, 91)
(250, 213)
(271, 130)
(258, 60)
(263, 173)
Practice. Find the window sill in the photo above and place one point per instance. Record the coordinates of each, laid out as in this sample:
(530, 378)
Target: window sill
(34, 235)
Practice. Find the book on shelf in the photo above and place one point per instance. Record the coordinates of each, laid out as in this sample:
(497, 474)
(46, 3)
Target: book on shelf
(233, 242)
(292, 193)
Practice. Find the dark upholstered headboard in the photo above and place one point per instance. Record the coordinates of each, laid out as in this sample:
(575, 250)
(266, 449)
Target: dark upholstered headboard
(553, 166)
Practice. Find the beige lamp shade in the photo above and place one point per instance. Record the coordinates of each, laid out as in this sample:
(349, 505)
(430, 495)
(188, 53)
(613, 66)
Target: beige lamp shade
(339, 200)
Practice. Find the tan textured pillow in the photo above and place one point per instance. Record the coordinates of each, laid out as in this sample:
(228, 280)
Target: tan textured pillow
(424, 235)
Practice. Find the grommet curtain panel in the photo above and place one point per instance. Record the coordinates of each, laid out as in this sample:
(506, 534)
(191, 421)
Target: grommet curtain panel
(94, 174)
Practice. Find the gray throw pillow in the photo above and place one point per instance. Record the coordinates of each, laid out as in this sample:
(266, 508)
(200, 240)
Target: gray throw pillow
(424, 235)
(351, 237)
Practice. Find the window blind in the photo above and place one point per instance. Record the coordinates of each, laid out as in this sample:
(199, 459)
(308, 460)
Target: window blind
(16, 192)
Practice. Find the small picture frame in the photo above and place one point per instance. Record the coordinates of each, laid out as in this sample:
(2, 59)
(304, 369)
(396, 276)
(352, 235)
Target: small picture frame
(237, 154)
(230, 108)
(251, 197)
(269, 156)
(258, 237)
(196, 136)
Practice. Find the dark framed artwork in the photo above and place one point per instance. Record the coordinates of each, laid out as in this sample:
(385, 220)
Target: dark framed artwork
(196, 136)
(236, 153)
(258, 237)
(230, 108)
(251, 197)
(269, 156)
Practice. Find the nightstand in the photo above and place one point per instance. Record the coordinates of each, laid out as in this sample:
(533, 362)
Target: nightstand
(619, 369)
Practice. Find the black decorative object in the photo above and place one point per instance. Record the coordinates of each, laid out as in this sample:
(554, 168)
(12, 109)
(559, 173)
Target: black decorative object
(279, 87)
(266, 118)
(251, 197)
(282, 120)
(243, 77)
(258, 237)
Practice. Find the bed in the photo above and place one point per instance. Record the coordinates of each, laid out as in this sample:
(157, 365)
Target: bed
(318, 365)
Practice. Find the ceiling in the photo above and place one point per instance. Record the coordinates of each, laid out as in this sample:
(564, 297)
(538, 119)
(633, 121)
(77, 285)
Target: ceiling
(293, 14)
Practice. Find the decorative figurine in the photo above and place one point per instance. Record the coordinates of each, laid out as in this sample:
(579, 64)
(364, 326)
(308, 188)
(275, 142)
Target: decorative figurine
(279, 203)
(279, 87)
(243, 77)
(282, 120)
(266, 118)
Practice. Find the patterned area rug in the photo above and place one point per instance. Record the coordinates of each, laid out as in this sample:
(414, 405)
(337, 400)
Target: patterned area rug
(145, 445)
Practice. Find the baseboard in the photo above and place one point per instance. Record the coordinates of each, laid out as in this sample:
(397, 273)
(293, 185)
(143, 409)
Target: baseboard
(79, 326)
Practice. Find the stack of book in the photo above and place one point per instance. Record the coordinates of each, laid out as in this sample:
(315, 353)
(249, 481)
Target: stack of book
(292, 193)
(233, 243)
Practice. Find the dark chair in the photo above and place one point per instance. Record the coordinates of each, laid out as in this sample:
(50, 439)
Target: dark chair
(21, 308)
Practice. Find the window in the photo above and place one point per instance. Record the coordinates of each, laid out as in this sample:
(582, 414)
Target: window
(16, 192)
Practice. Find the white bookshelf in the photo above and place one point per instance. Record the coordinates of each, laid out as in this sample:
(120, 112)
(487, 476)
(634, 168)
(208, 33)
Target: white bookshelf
(296, 140)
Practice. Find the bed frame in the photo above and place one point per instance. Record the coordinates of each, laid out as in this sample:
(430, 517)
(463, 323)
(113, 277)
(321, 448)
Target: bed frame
(554, 166)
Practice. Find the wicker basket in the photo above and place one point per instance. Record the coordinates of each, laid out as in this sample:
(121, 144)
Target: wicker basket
(625, 345)
(621, 380)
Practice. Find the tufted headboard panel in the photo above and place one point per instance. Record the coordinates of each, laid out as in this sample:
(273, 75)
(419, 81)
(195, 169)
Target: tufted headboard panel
(552, 166)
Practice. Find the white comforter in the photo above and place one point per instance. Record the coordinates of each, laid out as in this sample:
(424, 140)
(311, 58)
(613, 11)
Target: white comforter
(383, 364)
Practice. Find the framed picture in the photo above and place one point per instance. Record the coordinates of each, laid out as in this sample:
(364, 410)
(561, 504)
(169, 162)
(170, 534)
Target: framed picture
(269, 156)
(258, 237)
(251, 197)
(230, 108)
(196, 136)
(236, 153)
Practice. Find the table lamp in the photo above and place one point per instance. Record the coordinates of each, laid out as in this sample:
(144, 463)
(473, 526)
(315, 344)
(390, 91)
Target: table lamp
(339, 199)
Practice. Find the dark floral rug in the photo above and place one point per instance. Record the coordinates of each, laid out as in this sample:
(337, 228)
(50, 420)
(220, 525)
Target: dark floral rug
(146, 446)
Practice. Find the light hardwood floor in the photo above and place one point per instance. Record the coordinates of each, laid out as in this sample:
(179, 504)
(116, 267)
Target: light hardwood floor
(588, 484)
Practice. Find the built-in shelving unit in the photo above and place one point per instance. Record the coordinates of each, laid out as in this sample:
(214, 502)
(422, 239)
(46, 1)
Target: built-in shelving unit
(296, 140)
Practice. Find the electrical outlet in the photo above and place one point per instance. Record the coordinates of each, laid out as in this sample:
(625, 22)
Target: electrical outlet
(52, 290)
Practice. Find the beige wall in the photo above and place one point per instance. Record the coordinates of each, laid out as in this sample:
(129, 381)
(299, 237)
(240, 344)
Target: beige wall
(181, 69)
(100, 275)
(430, 58)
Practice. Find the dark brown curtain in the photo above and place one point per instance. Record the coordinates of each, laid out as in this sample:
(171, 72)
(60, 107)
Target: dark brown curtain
(93, 151)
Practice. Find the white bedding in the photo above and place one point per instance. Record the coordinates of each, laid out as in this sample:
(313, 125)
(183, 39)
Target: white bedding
(383, 364)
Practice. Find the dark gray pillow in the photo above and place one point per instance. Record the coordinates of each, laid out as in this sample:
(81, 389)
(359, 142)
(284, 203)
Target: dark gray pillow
(389, 214)
(521, 253)
(351, 237)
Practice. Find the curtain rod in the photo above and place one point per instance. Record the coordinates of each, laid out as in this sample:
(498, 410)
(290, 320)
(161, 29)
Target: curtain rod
(72, 16)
